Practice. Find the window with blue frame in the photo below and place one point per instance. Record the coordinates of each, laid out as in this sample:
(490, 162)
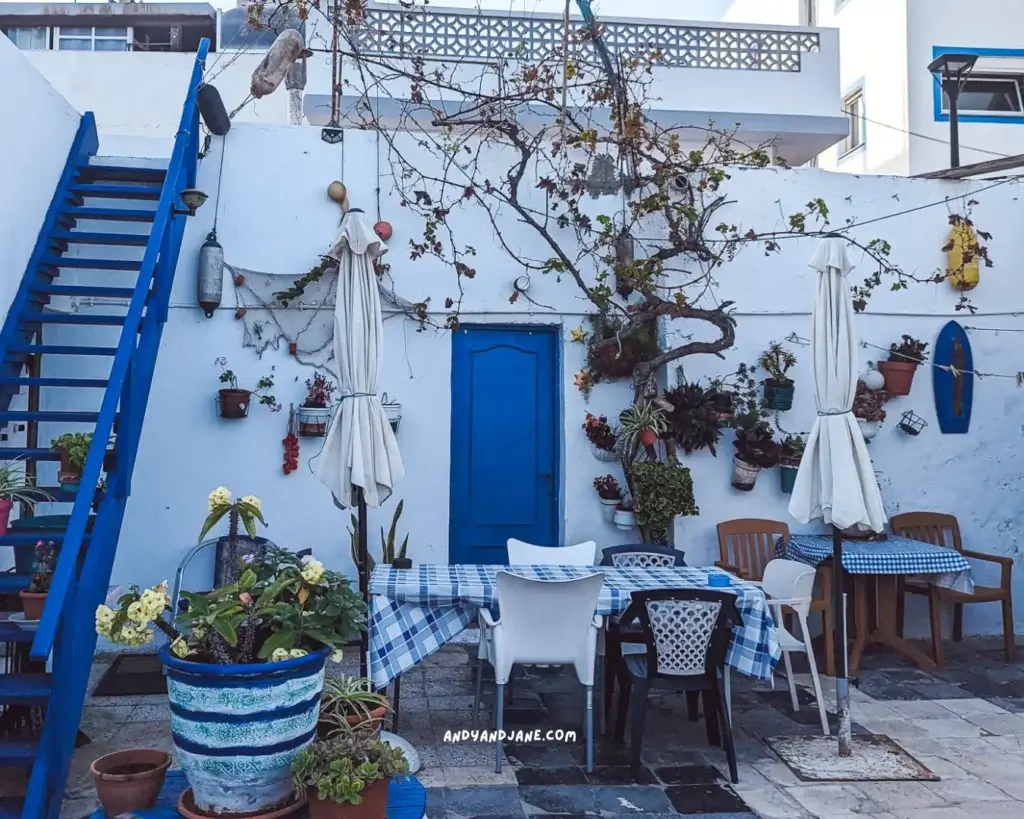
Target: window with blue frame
(993, 91)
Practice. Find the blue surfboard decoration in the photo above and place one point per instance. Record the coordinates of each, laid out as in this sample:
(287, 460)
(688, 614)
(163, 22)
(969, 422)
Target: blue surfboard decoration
(954, 391)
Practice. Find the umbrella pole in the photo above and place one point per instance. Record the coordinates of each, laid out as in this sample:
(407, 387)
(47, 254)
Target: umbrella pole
(842, 673)
(364, 579)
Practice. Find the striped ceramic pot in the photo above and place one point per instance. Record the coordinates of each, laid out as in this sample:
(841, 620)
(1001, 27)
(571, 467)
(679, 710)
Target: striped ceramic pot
(237, 728)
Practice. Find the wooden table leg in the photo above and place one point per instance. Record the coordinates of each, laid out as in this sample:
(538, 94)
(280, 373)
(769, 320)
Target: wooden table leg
(886, 633)
(861, 588)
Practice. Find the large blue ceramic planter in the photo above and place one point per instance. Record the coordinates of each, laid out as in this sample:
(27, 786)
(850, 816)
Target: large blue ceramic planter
(237, 728)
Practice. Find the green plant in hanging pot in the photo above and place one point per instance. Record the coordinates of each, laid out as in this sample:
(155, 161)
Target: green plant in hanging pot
(641, 425)
(610, 494)
(662, 492)
(904, 359)
(791, 451)
(694, 418)
(756, 449)
(778, 386)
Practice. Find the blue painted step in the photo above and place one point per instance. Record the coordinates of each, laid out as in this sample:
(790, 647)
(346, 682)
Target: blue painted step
(26, 381)
(121, 173)
(10, 807)
(140, 191)
(11, 583)
(71, 318)
(85, 290)
(91, 264)
(24, 689)
(57, 349)
(17, 752)
(10, 633)
(28, 538)
(113, 239)
(115, 214)
(54, 416)
(13, 453)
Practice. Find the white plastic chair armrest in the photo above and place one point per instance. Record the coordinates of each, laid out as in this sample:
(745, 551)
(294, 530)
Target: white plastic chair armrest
(487, 620)
(794, 601)
(598, 622)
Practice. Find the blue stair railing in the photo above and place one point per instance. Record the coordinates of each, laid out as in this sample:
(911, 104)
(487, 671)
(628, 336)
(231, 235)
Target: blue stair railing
(66, 631)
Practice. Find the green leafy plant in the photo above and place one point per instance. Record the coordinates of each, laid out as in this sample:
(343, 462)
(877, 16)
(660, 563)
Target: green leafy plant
(694, 418)
(908, 351)
(755, 444)
(661, 492)
(791, 450)
(345, 697)
(261, 392)
(387, 543)
(340, 768)
(641, 424)
(75, 446)
(777, 361)
(19, 487)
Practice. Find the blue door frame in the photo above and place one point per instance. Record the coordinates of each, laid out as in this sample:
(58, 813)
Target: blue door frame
(505, 442)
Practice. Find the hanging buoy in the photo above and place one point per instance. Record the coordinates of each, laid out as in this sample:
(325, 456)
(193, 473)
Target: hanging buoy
(212, 110)
(281, 56)
(337, 191)
(210, 275)
(383, 229)
(964, 263)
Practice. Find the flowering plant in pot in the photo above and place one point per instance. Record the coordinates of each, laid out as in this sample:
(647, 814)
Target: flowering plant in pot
(663, 492)
(16, 487)
(904, 359)
(347, 776)
(314, 413)
(350, 704)
(233, 401)
(602, 437)
(791, 452)
(756, 449)
(778, 387)
(33, 599)
(259, 643)
(610, 494)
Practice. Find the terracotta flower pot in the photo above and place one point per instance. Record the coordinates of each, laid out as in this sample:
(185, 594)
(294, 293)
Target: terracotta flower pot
(372, 724)
(373, 806)
(648, 436)
(32, 604)
(6, 506)
(131, 780)
(234, 403)
(899, 376)
(69, 475)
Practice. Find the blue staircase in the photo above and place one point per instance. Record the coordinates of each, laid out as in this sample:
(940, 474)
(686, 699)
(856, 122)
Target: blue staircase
(112, 232)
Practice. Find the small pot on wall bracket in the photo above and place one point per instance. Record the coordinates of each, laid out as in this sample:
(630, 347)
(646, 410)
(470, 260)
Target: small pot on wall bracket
(233, 403)
(392, 411)
(313, 421)
(608, 509)
(744, 475)
(778, 395)
(787, 477)
(869, 429)
(625, 519)
(899, 376)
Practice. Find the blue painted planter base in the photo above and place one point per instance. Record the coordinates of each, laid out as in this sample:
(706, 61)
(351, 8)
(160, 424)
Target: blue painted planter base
(407, 799)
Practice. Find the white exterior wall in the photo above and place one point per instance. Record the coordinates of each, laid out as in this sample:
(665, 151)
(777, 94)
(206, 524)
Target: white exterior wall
(39, 127)
(186, 450)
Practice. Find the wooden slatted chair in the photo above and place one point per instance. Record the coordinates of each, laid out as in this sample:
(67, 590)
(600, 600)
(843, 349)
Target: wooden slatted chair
(747, 545)
(943, 530)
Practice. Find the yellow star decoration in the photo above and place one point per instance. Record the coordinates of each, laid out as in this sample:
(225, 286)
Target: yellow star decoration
(579, 335)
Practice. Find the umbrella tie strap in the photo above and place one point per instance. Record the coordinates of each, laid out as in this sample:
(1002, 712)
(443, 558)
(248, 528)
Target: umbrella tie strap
(358, 395)
(822, 413)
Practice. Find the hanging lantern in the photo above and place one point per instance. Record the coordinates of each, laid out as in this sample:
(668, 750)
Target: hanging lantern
(964, 264)
(383, 229)
(625, 253)
(210, 275)
(911, 423)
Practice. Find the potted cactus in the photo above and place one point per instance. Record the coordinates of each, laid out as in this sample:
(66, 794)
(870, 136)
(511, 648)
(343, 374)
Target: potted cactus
(778, 387)
(610, 494)
(904, 359)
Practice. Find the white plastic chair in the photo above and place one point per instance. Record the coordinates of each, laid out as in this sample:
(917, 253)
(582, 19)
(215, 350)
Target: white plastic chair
(521, 553)
(788, 583)
(551, 622)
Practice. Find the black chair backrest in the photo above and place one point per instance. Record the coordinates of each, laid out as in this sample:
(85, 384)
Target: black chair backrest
(686, 631)
(643, 555)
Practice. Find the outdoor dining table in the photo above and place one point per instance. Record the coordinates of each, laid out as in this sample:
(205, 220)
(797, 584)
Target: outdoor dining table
(414, 612)
(879, 566)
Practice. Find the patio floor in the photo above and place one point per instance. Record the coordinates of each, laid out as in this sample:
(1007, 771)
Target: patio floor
(964, 722)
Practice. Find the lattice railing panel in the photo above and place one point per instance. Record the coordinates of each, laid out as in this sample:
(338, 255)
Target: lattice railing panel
(444, 35)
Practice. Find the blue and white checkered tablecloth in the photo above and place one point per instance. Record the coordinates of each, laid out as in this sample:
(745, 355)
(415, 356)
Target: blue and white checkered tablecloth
(895, 555)
(413, 612)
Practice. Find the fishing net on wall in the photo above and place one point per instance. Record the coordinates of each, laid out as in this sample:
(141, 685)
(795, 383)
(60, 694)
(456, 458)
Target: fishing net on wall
(305, 327)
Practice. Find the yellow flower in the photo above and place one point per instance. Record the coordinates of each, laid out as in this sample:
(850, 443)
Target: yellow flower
(137, 613)
(279, 654)
(337, 656)
(218, 497)
(579, 335)
(295, 653)
(252, 501)
(313, 572)
(179, 648)
(104, 620)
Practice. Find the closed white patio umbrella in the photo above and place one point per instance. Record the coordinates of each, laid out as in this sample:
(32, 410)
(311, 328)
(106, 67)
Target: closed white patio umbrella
(836, 481)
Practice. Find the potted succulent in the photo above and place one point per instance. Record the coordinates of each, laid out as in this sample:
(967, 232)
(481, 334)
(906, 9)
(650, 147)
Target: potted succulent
(778, 387)
(756, 449)
(259, 643)
(347, 776)
(16, 487)
(395, 559)
(602, 437)
(314, 414)
(33, 599)
(904, 359)
(662, 492)
(643, 423)
(791, 451)
(350, 703)
(237, 547)
(868, 409)
(233, 402)
(695, 418)
(610, 494)
(624, 517)
(130, 780)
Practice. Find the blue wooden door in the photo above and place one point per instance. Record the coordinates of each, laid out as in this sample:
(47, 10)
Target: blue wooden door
(504, 459)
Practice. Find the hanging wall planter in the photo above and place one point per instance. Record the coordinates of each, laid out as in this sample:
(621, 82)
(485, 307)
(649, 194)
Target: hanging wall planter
(904, 359)
(778, 387)
(868, 429)
(392, 411)
(911, 423)
(610, 494)
(778, 395)
(233, 403)
(624, 519)
(313, 421)
(744, 475)
(787, 478)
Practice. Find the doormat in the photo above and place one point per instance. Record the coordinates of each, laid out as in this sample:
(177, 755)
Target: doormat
(132, 675)
(875, 759)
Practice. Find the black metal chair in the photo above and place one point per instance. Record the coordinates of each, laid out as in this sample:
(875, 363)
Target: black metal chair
(686, 633)
(643, 555)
